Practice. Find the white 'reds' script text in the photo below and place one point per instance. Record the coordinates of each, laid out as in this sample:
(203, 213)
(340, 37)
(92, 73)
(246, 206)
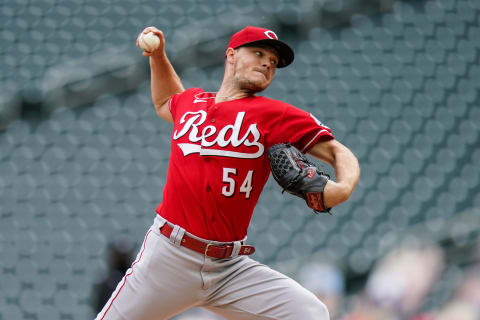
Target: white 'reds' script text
(202, 142)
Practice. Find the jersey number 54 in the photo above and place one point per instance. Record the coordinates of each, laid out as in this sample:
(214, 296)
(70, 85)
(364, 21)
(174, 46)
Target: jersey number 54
(229, 189)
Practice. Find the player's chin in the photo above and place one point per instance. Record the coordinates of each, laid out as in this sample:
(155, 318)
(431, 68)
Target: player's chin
(256, 84)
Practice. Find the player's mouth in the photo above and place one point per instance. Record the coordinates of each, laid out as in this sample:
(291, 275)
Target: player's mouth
(264, 73)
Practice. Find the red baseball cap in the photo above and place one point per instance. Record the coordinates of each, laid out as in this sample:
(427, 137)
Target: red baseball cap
(255, 35)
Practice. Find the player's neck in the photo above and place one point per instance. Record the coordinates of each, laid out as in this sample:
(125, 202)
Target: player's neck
(227, 94)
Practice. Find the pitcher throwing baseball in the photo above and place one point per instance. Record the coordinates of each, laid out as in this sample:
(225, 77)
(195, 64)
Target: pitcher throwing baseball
(195, 253)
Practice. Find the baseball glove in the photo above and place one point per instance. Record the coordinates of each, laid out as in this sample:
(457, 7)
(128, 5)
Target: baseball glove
(298, 176)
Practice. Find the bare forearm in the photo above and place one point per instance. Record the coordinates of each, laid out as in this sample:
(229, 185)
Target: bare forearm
(347, 170)
(164, 80)
(347, 173)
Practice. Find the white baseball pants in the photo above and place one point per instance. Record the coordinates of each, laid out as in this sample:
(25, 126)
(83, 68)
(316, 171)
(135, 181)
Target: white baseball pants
(166, 279)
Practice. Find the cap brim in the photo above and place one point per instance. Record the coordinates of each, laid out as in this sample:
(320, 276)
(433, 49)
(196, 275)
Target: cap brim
(285, 53)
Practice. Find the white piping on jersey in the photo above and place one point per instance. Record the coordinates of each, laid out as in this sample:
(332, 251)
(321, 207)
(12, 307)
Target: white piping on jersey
(196, 96)
(313, 139)
(189, 148)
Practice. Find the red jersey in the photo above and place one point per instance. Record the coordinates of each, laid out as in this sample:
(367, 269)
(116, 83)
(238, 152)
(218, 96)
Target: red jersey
(218, 162)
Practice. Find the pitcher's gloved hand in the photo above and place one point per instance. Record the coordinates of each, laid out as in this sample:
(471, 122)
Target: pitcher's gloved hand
(298, 176)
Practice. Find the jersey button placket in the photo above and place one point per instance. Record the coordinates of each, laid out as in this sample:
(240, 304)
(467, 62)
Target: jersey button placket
(211, 114)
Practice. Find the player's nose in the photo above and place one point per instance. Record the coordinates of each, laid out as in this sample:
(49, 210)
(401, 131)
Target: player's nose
(266, 64)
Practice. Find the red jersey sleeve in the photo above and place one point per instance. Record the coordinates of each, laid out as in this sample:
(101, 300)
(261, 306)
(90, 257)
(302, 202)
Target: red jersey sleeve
(176, 99)
(172, 104)
(302, 129)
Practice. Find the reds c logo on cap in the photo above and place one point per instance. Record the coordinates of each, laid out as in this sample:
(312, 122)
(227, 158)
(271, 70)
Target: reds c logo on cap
(271, 34)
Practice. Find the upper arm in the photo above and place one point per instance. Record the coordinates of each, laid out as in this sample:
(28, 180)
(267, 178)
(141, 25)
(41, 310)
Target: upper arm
(163, 110)
(328, 150)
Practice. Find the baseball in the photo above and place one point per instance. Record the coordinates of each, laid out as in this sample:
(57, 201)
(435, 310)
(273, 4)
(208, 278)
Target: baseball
(149, 42)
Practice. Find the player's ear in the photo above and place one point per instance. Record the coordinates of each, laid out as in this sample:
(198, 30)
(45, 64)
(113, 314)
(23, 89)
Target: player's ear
(230, 55)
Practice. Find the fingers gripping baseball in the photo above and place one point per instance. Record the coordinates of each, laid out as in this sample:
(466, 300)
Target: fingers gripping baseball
(151, 41)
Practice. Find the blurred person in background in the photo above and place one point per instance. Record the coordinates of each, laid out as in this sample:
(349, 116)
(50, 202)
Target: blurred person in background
(465, 303)
(119, 258)
(398, 284)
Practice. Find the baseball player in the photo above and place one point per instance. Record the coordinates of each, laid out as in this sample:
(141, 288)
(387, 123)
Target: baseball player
(195, 253)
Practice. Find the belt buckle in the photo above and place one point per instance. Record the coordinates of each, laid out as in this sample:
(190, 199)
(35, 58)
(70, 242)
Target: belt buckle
(206, 249)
